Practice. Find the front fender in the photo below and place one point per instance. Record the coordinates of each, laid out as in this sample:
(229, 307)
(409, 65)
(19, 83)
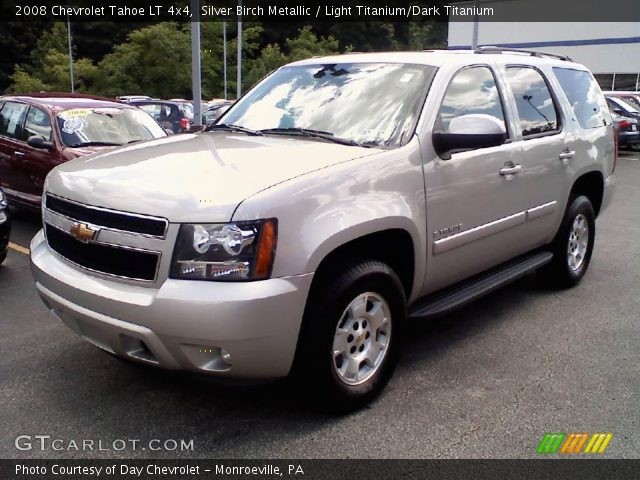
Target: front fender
(326, 209)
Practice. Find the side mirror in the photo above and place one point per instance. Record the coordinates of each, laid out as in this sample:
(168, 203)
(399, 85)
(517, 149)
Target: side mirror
(168, 131)
(39, 142)
(469, 132)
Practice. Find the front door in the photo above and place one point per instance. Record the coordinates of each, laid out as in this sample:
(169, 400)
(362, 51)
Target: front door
(12, 117)
(36, 162)
(475, 200)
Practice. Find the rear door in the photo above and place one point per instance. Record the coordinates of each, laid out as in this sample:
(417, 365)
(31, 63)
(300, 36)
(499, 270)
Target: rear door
(12, 117)
(547, 149)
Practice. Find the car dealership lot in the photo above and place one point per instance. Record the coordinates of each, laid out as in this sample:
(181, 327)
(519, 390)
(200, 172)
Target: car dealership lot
(487, 381)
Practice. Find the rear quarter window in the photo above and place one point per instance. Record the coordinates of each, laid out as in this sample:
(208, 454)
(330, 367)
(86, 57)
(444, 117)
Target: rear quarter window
(585, 97)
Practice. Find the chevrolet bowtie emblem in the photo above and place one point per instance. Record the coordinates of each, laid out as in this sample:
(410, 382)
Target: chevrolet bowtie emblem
(83, 232)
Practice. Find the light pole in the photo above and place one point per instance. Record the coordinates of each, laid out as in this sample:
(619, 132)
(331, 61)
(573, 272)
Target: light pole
(196, 79)
(70, 53)
(239, 76)
(224, 56)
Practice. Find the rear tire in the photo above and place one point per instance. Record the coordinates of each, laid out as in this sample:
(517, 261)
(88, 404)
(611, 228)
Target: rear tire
(573, 245)
(351, 336)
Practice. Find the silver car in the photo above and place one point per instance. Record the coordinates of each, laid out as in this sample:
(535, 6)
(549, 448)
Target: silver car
(339, 197)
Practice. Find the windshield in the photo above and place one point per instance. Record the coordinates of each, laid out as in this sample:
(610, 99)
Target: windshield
(106, 126)
(375, 104)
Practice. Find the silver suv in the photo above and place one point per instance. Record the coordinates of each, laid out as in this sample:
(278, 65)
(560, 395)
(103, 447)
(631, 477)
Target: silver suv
(338, 198)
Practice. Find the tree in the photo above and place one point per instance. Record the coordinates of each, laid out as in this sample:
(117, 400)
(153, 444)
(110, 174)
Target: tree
(155, 60)
(306, 44)
(49, 68)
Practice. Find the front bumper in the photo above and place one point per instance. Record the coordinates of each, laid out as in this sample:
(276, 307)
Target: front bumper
(183, 325)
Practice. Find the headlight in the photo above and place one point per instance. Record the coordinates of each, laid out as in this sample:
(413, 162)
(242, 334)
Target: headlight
(3, 201)
(225, 251)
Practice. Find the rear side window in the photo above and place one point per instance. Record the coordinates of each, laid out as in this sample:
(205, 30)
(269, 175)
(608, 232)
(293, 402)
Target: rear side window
(11, 117)
(37, 123)
(537, 111)
(471, 91)
(584, 96)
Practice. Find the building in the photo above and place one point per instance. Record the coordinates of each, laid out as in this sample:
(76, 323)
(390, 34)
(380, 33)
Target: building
(611, 50)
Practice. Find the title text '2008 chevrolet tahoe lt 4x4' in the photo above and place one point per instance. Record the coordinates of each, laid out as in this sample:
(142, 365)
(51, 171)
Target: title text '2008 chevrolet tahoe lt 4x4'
(337, 198)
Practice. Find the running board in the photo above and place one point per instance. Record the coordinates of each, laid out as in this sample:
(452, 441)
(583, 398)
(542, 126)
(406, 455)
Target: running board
(469, 290)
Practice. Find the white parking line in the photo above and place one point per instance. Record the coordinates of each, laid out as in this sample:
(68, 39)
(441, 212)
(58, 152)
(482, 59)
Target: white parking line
(19, 248)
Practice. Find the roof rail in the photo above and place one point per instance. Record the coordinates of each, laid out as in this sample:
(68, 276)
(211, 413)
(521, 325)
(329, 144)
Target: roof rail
(498, 50)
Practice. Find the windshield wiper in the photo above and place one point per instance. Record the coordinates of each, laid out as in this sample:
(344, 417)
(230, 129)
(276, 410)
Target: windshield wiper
(305, 132)
(95, 144)
(233, 128)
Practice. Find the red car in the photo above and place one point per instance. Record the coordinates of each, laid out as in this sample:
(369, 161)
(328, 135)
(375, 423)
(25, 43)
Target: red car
(40, 131)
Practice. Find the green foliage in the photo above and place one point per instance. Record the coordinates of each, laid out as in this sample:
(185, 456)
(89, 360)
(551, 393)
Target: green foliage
(305, 45)
(155, 61)
(23, 82)
(49, 68)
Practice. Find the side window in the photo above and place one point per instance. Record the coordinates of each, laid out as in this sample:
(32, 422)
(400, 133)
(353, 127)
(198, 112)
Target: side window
(585, 97)
(537, 111)
(37, 123)
(11, 117)
(472, 90)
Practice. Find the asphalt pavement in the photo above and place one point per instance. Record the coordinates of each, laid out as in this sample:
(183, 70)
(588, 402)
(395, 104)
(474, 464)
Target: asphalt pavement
(487, 381)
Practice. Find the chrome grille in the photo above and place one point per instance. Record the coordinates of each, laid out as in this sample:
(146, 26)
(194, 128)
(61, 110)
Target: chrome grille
(120, 244)
(123, 221)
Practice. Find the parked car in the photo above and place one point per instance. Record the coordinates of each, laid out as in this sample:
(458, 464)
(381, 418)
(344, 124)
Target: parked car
(627, 131)
(5, 226)
(175, 116)
(339, 196)
(622, 107)
(40, 131)
(630, 97)
(131, 98)
(213, 112)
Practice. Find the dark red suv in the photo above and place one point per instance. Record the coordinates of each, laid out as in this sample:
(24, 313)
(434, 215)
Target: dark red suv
(40, 131)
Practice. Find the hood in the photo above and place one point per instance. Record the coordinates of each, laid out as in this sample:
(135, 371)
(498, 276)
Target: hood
(192, 177)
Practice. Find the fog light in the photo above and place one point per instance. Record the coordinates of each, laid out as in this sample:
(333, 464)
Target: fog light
(226, 356)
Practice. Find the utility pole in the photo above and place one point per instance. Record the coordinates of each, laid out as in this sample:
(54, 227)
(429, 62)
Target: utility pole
(224, 56)
(73, 90)
(239, 76)
(196, 79)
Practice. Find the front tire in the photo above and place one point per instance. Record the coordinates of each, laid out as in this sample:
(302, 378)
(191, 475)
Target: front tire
(573, 245)
(351, 336)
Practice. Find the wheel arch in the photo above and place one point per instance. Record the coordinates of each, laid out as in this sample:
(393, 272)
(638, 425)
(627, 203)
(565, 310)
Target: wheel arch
(591, 185)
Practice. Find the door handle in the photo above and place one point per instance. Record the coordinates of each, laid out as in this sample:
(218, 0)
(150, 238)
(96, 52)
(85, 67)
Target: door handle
(19, 154)
(567, 155)
(510, 169)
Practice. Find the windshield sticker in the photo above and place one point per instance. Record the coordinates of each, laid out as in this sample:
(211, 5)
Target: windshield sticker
(76, 112)
(74, 124)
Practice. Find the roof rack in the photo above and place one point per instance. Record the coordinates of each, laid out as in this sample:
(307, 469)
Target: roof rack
(498, 50)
